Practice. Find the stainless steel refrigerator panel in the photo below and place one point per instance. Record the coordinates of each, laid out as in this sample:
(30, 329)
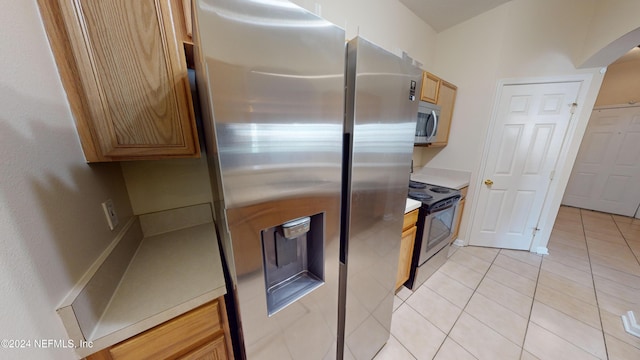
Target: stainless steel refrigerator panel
(306, 327)
(274, 74)
(383, 116)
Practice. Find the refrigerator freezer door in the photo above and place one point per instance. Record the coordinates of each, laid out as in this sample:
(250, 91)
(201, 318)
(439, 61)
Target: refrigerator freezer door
(272, 75)
(381, 118)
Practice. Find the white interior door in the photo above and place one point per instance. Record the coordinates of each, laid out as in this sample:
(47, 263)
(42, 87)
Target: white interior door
(606, 175)
(526, 140)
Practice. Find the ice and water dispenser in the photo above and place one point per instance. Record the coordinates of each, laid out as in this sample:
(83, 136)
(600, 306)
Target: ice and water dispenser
(293, 260)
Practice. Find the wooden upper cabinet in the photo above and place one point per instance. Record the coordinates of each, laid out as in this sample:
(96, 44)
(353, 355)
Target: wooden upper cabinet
(124, 70)
(430, 87)
(446, 100)
(443, 93)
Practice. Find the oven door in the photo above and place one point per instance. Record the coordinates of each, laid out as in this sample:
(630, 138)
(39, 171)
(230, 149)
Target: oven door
(437, 232)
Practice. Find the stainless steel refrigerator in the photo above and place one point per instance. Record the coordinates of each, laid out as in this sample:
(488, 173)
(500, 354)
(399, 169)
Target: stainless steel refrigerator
(309, 145)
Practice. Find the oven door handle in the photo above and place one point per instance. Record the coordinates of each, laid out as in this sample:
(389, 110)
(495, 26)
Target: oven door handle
(444, 208)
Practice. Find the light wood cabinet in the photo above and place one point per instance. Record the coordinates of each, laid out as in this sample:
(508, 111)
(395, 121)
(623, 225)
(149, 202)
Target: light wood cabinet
(202, 333)
(406, 247)
(212, 351)
(459, 211)
(124, 70)
(446, 100)
(443, 93)
(430, 87)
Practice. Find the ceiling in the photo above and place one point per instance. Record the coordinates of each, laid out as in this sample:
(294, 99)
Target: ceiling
(443, 14)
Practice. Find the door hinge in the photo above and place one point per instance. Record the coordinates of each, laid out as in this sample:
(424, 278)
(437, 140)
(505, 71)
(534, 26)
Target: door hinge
(535, 230)
(573, 108)
(552, 174)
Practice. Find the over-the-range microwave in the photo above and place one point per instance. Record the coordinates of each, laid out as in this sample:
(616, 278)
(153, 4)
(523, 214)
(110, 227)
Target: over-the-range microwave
(427, 125)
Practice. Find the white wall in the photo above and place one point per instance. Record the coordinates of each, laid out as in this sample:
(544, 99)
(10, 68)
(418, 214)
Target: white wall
(51, 223)
(167, 184)
(520, 39)
(506, 42)
(612, 32)
(387, 23)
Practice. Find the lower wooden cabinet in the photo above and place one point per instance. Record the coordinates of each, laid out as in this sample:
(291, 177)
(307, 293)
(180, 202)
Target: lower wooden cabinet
(202, 333)
(214, 350)
(406, 247)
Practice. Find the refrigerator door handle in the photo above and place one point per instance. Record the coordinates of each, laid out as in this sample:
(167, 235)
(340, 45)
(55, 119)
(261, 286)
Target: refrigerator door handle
(345, 196)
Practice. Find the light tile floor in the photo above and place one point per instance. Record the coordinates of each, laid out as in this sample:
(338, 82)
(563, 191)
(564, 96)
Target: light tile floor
(486, 303)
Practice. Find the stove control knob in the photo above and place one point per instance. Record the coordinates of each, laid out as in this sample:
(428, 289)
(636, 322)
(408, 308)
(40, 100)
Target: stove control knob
(488, 182)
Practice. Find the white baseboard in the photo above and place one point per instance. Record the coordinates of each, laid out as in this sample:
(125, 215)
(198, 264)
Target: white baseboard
(630, 324)
(541, 250)
(458, 242)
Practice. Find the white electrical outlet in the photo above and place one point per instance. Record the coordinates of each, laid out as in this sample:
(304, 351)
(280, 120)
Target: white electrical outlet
(110, 213)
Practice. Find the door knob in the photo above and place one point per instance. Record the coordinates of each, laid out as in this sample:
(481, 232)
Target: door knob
(488, 182)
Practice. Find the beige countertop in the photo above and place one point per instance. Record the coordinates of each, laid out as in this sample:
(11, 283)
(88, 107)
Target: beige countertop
(168, 270)
(453, 179)
(168, 274)
(411, 205)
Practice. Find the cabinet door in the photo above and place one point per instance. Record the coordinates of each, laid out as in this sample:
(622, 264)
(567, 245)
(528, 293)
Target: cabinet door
(410, 219)
(430, 87)
(406, 253)
(214, 350)
(173, 336)
(446, 100)
(125, 75)
(201, 333)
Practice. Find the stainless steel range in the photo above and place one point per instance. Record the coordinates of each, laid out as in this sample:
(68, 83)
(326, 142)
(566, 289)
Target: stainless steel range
(435, 224)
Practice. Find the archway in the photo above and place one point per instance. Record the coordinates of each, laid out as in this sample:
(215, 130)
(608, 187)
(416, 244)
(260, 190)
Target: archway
(613, 50)
(606, 172)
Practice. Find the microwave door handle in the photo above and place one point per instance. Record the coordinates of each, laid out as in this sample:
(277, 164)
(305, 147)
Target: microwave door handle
(435, 123)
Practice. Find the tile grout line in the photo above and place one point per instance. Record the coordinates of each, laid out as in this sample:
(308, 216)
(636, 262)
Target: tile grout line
(485, 275)
(581, 231)
(390, 334)
(535, 292)
(401, 344)
(568, 295)
(517, 274)
(637, 260)
(430, 322)
(595, 291)
(465, 305)
(533, 300)
(492, 263)
(625, 240)
(567, 314)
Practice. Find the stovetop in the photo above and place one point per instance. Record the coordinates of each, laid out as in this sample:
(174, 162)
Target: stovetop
(430, 195)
